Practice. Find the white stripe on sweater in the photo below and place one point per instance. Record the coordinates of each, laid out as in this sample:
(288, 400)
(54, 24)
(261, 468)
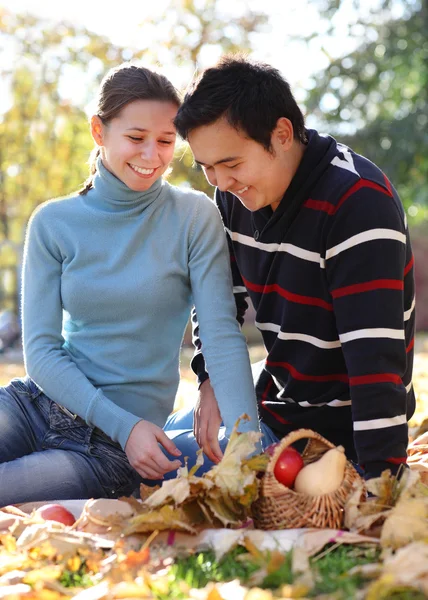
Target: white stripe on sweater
(335, 403)
(301, 337)
(288, 248)
(348, 163)
(379, 423)
(360, 238)
(375, 332)
(239, 289)
(366, 236)
(408, 313)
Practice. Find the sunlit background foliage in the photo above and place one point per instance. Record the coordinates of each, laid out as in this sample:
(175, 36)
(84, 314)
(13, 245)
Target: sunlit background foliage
(373, 97)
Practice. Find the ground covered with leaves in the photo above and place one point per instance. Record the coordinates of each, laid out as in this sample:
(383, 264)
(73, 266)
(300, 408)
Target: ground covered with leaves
(192, 538)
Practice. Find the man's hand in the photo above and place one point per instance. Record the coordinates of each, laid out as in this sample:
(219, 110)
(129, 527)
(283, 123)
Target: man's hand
(144, 454)
(207, 422)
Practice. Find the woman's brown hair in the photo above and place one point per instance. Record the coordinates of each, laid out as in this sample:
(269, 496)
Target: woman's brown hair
(120, 86)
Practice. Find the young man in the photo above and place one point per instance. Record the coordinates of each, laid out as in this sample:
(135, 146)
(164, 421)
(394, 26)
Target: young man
(319, 241)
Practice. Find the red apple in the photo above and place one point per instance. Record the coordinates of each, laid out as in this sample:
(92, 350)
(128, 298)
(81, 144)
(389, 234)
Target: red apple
(56, 512)
(289, 463)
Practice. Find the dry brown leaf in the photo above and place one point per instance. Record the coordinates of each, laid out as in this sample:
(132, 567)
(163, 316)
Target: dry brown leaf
(232, 476)
(174, 490)
(407, 522)
(222, 496)
(162, 519)
(409, 565)
(314, 540)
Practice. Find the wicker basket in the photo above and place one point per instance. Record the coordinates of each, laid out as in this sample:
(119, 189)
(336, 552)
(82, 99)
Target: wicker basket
(279, 507)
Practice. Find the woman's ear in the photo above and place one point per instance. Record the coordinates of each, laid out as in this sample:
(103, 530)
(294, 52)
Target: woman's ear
(284, 133)
(97, 130)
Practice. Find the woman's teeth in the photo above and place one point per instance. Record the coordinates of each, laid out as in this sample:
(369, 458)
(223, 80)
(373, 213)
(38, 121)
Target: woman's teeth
(142, 171)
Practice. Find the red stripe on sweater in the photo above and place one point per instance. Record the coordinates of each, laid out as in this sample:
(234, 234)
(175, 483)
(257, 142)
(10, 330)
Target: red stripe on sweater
(302, 377)
(388, 184)
(322, 205)
(409, 265)
(410, 346)
(269, 410)
(400, 460)
(368, 286)
(330, 209)
(299, 299)
(375, 378)
(362, 183)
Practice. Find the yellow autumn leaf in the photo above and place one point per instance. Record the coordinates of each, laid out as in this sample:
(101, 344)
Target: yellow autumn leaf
(259, 462)
(407, 522)
(166, 517)
(45, 594)
(223, 511)
(74, 563)
(214, 594)
(408, 566)
(8, 542)
(174, 490)
(199, 462)
(128, 589)
(48, 573)
(251, 493)
(258, 594)
(231, 475)
(294, 591)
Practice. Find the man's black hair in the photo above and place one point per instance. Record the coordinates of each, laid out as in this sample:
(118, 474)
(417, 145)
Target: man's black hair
(252, 96)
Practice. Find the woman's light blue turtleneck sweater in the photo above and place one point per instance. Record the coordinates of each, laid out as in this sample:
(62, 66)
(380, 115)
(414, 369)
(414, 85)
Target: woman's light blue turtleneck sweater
(108, 282)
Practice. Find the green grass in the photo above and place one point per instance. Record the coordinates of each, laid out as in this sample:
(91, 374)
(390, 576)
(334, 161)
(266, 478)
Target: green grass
(330, 569)
(199, 569)
(80, 578)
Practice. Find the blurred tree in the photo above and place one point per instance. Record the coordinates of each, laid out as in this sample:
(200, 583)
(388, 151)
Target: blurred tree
(375, 98)
(44, 135)
(191, 32)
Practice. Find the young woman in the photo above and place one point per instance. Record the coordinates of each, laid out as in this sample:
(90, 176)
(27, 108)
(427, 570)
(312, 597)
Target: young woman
(109, 277)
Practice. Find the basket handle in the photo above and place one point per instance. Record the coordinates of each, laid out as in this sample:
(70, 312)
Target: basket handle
(292, 437)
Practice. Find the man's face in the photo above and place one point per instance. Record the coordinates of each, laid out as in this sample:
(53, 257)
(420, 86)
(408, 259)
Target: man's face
(233, 162)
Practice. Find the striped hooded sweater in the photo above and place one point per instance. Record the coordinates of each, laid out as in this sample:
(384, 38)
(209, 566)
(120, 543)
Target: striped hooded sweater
(330, 274)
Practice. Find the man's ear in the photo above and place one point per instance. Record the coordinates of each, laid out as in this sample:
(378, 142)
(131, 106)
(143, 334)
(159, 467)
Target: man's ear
(97, 130)
(284, 133)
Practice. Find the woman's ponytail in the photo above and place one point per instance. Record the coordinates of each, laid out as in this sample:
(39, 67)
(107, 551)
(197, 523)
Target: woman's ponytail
(92, 170)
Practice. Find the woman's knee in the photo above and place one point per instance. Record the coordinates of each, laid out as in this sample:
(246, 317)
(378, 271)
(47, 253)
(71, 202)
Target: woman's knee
(21, 426)
(10, 413)
(181, 419)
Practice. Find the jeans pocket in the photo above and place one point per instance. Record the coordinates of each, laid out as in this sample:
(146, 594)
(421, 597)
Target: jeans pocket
(115, 473)
(59, 419)
(66, 431)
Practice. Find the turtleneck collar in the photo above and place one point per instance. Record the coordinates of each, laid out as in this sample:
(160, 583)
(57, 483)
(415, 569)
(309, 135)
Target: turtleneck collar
(110, 195)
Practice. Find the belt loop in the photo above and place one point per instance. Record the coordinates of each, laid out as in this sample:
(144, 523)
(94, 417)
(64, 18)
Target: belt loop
(33, 388)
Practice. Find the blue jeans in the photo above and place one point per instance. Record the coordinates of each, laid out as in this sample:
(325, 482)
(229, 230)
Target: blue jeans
(46, 454)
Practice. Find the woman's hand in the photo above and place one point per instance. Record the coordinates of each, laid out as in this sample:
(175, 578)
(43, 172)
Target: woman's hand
(207, 422)
(144, 454)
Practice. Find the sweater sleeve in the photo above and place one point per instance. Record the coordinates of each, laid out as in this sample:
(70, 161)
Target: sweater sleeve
(240, 294)
(225, 348)
(368, 250)
(46, 361)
